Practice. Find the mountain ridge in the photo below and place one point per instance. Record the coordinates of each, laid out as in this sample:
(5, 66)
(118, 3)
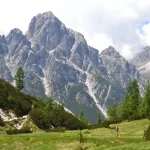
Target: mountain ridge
(58, 61)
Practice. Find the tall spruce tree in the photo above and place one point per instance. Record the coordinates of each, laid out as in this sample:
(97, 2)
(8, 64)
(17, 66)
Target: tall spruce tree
(82, 118)
(99, 120)
(146, 103)
(112, 112)
(131, 102)
(19, 79)
(123, 111)
(134, 97)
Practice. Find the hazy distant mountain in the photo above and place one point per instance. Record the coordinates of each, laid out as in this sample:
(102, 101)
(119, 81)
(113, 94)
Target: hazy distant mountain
(142, 62)
(58, 61)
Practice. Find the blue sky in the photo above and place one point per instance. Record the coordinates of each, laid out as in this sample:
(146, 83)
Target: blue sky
(123, 24)
(143, 23)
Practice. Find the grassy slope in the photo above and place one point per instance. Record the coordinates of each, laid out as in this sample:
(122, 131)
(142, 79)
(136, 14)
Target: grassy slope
(131, 138)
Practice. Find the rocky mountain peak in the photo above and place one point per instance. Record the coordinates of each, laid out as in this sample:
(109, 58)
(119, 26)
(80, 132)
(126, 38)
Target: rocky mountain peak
(47, 30)
(16, 30)
(118, 67)
(46, 15)
(16, 36)
(142, 58)
(142, 63)
(110, 51)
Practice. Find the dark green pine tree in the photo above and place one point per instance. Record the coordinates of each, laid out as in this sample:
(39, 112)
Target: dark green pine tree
(82, 118)
(123, 111)
(146, 103)
(81, 115)
(99, 120)
(133, 97)
(19, 79)
(131, 102)
(112, 112)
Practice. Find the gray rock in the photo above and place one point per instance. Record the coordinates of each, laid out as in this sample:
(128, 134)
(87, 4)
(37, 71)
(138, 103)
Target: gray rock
(4, 70)
(142, 58)
(3, 46)
(47, 30)
(142, 62)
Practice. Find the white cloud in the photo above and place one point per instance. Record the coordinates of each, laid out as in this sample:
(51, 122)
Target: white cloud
(145, 34)
(101, 41)
(103, 22)
(126, 51)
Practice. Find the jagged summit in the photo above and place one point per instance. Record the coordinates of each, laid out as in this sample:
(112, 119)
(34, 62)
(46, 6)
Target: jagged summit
(110, 51)
(142, 58)
(118, 67)
(15, 38)
(16, 30)
(46, 15)
(142, 62)
(47, 30)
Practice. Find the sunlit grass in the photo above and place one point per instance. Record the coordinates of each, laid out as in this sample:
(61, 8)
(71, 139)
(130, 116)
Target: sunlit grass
(131, 138)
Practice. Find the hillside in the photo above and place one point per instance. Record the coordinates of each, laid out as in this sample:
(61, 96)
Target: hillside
(131, 138)
(12, 99)
(15, 105)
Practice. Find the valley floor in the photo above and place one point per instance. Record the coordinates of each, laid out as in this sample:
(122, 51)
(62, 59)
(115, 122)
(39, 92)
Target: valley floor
(131, 138)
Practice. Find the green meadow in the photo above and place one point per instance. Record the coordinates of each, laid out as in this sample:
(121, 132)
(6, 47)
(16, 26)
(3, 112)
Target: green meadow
(131, 138)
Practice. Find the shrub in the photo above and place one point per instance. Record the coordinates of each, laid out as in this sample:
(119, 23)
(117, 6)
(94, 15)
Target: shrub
(135, 116)
(11, 131)
(147, 134)
(56, 130)
(94, 126)
(87, 132)
(81, 138)
(25, 130)
(2, 122)
(80, 147)
(72, 123)
(19, 131)
(106, 123)
(38, 117)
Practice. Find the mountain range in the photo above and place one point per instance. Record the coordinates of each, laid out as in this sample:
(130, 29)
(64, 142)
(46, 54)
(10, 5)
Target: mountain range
(58, 61)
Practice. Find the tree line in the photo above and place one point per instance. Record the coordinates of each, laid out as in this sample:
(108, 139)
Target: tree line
(133, 106)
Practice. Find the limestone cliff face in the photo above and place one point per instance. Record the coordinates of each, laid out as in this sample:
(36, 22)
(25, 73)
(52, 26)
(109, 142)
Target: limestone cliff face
(58, 61)
(4, 70)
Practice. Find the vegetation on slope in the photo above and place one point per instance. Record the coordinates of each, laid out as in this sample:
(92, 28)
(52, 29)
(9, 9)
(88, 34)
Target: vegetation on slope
(12, 99)
(45, 115)
(133, 106)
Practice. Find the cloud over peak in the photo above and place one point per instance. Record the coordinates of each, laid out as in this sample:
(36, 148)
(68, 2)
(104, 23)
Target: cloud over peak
(123, 24)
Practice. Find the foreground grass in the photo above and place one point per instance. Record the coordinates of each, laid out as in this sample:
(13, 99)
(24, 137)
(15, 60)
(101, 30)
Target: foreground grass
(131, 138)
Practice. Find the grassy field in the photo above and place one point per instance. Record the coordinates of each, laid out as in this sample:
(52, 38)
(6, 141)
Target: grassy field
(131, 138)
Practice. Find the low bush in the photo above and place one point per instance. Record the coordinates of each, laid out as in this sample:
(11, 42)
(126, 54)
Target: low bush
(82, 139)
(19, 131)
(56, 130)
(146, 135)
(104, 124)
(94, 126)
(2, 124)
(135, 116)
